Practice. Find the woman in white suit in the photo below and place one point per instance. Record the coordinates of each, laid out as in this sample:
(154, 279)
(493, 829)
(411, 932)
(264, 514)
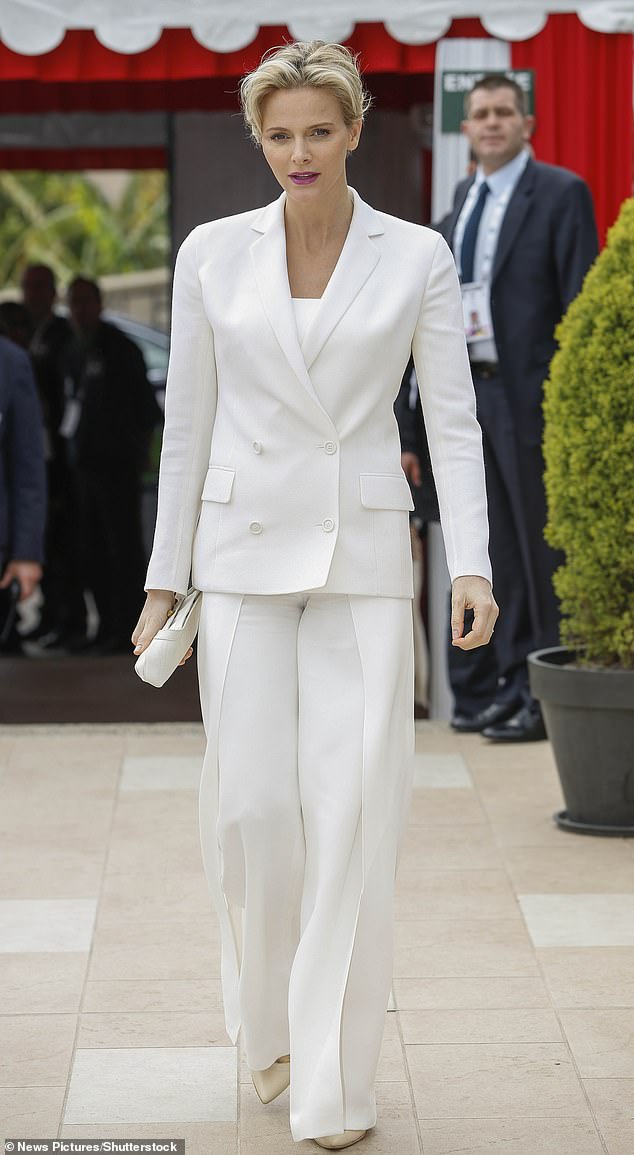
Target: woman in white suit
(281, 491)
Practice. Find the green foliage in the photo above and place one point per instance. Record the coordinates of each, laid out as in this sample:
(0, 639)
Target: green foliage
(65, 221)
(589, 452)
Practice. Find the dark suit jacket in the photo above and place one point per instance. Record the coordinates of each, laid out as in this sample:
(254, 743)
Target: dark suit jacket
(22, 471)
(547, 242)
(411, 427)
(118, 411)
(46, 354)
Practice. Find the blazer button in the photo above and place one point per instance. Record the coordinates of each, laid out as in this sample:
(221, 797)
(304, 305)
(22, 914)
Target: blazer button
(255, 527)
(330, 447)
(256, 446)
(328, 525)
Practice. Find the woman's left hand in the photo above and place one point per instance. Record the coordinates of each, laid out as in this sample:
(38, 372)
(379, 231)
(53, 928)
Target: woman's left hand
(472, 593)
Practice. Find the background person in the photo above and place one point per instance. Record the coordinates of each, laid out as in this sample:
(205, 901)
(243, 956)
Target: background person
(49, 334)
(416, 464)
(474, 675)
(14, 323)
(524, 236)
(281, 490)
(63, 612)
(109, 416)
(22, 482)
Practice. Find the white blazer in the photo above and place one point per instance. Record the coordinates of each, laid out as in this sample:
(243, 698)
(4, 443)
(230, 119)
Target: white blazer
(280, 468)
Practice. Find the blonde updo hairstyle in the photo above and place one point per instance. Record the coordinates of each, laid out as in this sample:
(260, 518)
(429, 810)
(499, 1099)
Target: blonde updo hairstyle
(305, 64)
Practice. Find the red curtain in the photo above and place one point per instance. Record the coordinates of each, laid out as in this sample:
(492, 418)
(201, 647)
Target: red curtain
(175, 56)
(583, 100)
(178, 56)
(583, 87)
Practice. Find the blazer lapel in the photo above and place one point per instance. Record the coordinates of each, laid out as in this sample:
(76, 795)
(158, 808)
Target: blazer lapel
(357, 260)
(449, 231)
(518, 207)
(268, 254)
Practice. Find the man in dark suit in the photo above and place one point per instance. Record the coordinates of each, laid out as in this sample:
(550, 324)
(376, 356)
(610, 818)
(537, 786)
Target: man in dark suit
(63, 610)
(109, 416)
(49, 334)
(22, 477)
(416, 464)
(472, 677)
(523, 235)
(415, 459)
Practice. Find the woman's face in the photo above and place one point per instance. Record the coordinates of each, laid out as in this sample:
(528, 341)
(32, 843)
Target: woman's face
(305, 141)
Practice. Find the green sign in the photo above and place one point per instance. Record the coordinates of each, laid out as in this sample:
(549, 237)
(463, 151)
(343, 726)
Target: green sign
(456, 83)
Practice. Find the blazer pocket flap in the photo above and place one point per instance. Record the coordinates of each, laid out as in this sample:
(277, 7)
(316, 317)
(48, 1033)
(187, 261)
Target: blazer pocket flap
(218, 484)
(385, 491)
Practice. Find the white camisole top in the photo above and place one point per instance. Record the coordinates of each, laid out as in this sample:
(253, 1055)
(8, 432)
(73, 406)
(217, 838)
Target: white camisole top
(305, 309)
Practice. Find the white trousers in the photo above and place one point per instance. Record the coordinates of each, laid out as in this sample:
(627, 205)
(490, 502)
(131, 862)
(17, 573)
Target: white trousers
(307, 702)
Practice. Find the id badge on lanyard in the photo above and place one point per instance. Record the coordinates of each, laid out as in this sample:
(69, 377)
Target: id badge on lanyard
(72, 411)
(476, 312)
(74, 401)
(476, 295)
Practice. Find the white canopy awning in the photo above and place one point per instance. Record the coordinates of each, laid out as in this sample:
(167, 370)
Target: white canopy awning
(32, 27)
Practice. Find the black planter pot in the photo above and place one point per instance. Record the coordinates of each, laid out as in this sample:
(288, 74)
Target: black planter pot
(589, 717)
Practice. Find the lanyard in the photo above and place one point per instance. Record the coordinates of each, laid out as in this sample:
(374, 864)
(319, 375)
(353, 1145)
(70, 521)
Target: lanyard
(492, 233)
(494, 221)
(492, 229)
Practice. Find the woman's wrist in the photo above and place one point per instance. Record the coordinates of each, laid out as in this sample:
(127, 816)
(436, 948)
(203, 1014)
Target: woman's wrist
(160, 596)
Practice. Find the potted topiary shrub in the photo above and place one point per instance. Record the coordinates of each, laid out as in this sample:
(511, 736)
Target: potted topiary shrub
(586, 686)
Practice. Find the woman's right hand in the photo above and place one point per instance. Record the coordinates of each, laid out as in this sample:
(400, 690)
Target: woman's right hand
(153, 617)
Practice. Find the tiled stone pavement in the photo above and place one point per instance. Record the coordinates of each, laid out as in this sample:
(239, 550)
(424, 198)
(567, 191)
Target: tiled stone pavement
(513, 978)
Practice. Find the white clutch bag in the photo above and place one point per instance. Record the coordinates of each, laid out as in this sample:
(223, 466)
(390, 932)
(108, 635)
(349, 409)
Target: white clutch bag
(169, 646)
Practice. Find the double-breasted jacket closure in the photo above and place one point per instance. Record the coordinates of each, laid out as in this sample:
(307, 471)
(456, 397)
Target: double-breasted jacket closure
(280, 468)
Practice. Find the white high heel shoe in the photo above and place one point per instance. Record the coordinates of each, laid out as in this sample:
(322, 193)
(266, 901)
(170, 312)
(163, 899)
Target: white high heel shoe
(271, 1082)
(336, 1142)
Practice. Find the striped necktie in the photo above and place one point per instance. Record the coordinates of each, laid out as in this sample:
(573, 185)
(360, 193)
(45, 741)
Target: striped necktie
(470, 236)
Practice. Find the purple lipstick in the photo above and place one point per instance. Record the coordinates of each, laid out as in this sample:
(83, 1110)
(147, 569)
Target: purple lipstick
(304, 177)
